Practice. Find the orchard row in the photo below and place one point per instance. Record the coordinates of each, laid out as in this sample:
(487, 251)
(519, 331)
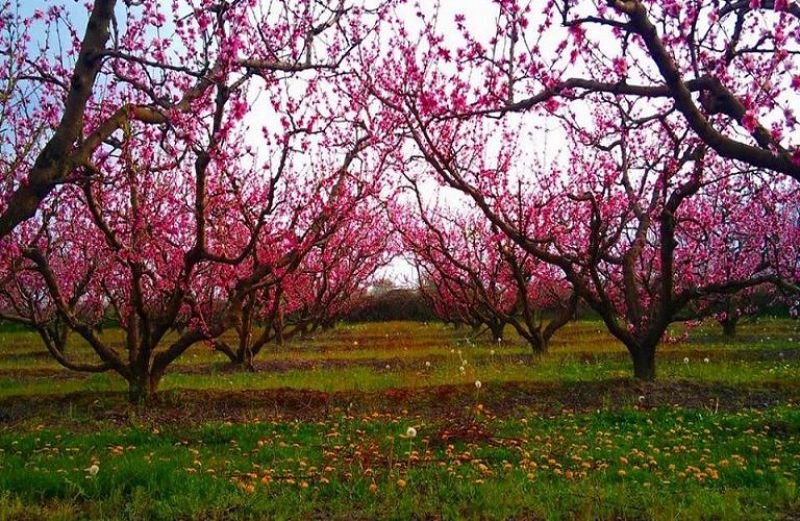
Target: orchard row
(192, 169)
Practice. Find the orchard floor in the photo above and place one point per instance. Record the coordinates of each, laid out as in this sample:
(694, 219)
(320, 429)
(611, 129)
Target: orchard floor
(320, 430)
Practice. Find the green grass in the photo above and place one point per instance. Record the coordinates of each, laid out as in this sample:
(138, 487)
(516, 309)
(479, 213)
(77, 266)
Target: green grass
(660, 464)
(558, 437)
(443, 370)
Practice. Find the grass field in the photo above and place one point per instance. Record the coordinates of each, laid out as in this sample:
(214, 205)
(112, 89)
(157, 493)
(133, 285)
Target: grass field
(385, 421)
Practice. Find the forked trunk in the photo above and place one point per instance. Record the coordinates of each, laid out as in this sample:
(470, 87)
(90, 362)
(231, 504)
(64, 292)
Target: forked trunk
(244, 360)
(241, 357)
(539, 343)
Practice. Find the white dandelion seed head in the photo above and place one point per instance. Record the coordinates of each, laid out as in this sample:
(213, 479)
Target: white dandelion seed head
(411, 432)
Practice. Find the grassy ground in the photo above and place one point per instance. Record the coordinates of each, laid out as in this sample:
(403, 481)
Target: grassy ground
(322, 430)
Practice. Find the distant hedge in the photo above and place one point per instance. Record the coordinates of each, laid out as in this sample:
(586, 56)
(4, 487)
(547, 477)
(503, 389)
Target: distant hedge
(395, 304)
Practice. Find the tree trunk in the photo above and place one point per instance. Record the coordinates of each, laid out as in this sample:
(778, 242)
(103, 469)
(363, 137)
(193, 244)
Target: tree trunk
(729, 327)
(539, 344)
(248, 360)
(242, 358)
(497, 331)
(302, 330)
(278, 328)
(644, 363)
(142, 389)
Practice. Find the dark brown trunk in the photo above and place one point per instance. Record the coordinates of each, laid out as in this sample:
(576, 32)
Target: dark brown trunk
(497, 331)
(51, 166)
(729, 327)
(302, 330)
(242, 358)
(142, 389)
(539, 344)
(644, 363)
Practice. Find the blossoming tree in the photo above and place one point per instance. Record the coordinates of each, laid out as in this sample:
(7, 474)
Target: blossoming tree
(323, 287)
(173, 218)
(473, 273)
(66, 102)
(633, 212)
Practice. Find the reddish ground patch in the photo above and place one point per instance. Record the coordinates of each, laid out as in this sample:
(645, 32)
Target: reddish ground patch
(435, 403)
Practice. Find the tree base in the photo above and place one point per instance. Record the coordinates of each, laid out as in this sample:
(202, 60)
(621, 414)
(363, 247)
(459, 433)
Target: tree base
(729, 329)
(644, 365)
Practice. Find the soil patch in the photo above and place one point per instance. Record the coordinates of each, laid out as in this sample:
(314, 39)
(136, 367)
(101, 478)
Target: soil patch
(189, 407)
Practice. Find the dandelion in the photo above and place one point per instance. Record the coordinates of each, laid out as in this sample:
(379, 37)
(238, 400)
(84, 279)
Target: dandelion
(388, 367)
(401, 483)
(491, 352)
(93, 470)
(427, 364)
(411, 432)
(355, 342)
(706, 360)
(685, 359)
(641, 398)
(478, 384)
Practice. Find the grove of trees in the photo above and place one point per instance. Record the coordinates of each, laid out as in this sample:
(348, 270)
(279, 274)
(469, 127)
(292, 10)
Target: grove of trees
(236, 173)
